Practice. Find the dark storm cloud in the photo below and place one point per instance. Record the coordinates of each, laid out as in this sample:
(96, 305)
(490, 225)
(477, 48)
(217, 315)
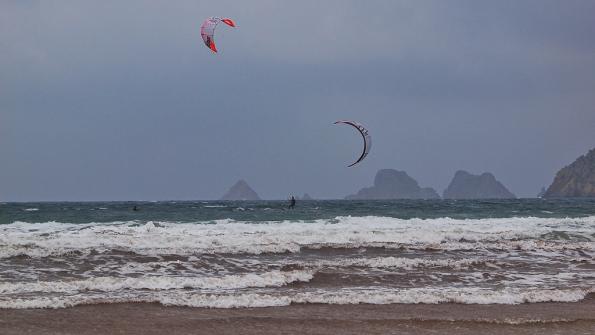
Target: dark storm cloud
(112, 100)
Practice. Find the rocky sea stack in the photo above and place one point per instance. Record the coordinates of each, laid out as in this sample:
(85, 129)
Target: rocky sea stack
(576, 179)
(306, 196)
(393, 184)
(240, 191)
(468, 186)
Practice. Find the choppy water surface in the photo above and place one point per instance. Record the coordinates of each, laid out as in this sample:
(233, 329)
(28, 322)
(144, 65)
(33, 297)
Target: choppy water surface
(239, 254)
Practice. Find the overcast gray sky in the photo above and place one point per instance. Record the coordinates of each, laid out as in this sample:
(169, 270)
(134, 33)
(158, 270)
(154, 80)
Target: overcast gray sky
(114, 100)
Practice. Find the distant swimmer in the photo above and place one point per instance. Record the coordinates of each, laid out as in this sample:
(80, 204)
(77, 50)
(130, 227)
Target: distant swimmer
(135, 208)
(291, 202)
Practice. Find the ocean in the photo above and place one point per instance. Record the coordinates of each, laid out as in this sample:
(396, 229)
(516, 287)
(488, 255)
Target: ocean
(257, 254)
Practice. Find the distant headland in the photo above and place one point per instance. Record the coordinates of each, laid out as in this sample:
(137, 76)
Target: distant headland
(575, 180)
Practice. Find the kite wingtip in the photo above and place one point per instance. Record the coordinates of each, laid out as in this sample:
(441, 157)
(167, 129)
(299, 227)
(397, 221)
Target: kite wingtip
(229, 22)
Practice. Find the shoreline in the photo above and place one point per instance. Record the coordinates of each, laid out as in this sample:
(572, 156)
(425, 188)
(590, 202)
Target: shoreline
(152, 318)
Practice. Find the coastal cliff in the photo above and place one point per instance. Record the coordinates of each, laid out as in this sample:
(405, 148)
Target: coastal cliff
(576, 179)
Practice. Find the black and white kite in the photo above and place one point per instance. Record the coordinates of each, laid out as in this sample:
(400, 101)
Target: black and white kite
(367, 139)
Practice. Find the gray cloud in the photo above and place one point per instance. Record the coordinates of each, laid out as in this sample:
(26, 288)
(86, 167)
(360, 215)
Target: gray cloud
(111, 100)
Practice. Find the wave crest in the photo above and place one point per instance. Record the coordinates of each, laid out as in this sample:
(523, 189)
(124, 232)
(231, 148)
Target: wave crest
(228, 236)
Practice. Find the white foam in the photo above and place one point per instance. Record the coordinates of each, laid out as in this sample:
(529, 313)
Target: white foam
(443, 295)
(112, 284)
(341, 297)
(224, 301)
(401, 262)
(228, 236)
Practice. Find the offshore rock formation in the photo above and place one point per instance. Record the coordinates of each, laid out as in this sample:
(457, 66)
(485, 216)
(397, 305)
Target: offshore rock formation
(393, 184)
(306, 196)
(576, 179)
(240, 191)
(468, 186)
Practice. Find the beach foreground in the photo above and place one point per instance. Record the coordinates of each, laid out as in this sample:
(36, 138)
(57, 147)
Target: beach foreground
(327, 267)
(147, 318)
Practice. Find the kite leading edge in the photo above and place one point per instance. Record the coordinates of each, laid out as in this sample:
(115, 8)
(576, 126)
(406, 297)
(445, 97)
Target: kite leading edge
(365, 135)
(207, 30)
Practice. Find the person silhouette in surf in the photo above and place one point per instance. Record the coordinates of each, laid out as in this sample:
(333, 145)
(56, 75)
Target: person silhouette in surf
(291, 202)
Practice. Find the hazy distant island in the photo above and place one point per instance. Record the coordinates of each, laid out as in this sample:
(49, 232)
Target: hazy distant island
(240, 191)
(393, 184)
(576, 179)
(306, 196)
(465, 185)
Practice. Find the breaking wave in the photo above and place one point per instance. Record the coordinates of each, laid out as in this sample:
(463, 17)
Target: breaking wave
(112, 284)
(236, 237)
(342, 297)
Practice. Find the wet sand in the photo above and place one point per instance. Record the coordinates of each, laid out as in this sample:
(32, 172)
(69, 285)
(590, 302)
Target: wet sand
(146, 318)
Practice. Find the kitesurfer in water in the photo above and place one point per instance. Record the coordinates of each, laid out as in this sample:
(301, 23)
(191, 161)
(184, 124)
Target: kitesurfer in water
(291, 202)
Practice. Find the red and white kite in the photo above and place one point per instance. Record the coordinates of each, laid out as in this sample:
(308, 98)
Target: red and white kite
(207, 30)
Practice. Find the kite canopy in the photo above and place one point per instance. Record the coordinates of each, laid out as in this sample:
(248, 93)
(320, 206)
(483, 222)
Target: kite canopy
(207, 30)
(367, 139)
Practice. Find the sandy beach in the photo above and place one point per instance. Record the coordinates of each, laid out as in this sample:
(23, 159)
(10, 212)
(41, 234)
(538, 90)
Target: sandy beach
(144, 318)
